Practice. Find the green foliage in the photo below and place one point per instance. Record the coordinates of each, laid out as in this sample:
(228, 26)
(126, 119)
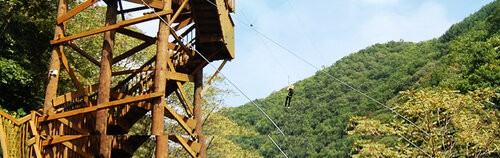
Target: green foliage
(26, 26)
(458, 125)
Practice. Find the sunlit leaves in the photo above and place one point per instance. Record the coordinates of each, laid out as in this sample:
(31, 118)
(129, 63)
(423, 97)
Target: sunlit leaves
(458, 124)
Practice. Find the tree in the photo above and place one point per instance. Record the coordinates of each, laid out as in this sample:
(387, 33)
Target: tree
(26, 26)
(457, 125)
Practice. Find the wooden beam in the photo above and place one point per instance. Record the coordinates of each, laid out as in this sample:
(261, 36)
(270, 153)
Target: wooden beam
(183, 23)
(209, 82)
(182, 97)
(30, 141)
(157, 4)
(187, 125)
(83, 53)
(193, 148)
(34, 131)
(132, 51)
(111, 27)
(75, 11)
(70, 71)
(36, 147)
(124, 72)
(177, 2)
(73, 95)
(137, 35)
(4, 140)
(100, 106)
(179, 76)
(7, 116)
(59, 139)
(24, 119)
(178, 12)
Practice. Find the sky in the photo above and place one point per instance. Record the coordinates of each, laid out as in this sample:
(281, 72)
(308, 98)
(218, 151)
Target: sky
(321, 32)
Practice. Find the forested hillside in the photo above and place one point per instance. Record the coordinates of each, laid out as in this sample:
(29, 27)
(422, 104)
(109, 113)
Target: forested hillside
(466, 58)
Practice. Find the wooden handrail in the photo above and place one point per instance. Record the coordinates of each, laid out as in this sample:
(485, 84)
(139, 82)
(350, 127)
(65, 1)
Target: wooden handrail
(7, 116)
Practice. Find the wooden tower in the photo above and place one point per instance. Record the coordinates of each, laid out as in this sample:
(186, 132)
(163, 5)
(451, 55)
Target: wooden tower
(93, 120)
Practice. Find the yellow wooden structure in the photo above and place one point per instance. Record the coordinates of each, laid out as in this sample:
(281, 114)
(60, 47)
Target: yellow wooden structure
(93, 120)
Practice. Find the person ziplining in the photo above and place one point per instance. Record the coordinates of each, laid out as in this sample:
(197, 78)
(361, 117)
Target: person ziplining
(289, 96)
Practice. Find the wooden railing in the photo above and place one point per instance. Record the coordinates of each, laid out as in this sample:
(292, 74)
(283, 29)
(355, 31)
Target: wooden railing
(19, 137)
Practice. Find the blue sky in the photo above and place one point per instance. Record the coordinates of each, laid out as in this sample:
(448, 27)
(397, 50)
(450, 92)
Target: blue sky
(322, 32)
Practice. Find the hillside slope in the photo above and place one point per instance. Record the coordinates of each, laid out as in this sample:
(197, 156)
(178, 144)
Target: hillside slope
(465, 58)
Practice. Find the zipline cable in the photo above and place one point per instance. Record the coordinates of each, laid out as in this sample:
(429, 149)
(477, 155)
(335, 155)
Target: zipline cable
(267, 46)
(276, 59)
(415, 146)
(277, 146)
(215, 68)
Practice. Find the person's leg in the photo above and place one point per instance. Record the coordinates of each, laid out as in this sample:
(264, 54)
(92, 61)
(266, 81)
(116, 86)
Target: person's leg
(287, 101)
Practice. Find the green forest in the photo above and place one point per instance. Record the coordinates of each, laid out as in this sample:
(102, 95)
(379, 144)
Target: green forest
(447, 86)
(447, 89)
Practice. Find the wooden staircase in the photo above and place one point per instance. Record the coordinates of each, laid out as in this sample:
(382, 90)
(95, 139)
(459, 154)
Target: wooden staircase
(68, 125)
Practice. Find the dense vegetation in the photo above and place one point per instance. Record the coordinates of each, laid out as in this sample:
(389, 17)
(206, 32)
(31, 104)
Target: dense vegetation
(26, 26)
(466, 58)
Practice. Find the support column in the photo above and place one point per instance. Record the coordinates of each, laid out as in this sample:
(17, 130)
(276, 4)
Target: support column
(53, 79)
(160, 82)
(198, 102)
(55, 63)
(105, 81)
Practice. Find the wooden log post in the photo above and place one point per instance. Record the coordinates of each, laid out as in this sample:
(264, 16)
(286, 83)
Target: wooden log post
(198, 102)
(53, 78)
(55, 63)
(160, 82)
(105, 81)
